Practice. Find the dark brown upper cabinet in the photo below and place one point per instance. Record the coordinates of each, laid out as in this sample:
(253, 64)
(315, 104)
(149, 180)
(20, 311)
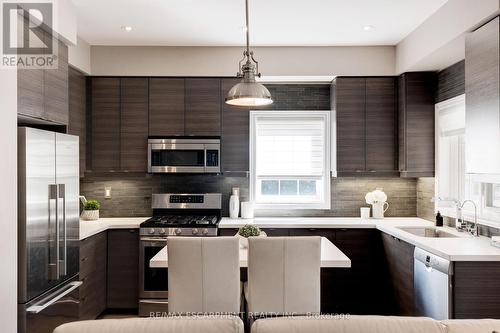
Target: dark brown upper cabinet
(134, 124)
(416, 124)
(203, 107)
(166, 107)
(77, 124)
(235, 132)
(366, 125)
(105, 124)
(43, 93)
(381, 125)
(349, 102)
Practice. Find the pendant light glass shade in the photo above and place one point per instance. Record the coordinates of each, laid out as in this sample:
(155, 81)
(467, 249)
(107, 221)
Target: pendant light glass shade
(248, 92)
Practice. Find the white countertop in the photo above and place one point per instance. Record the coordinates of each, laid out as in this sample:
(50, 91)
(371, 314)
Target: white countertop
(90, 228)
(463, 248)
(331, 256)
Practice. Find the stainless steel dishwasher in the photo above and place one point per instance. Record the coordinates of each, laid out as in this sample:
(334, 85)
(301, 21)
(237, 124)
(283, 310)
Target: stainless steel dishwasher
(433, 285)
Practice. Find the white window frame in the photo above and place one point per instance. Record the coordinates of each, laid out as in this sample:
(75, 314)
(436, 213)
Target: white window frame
(325, 115)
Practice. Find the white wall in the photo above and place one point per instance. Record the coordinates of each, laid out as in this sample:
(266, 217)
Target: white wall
(79, 56)
(8, 200)
(223, 61)
(438, 42)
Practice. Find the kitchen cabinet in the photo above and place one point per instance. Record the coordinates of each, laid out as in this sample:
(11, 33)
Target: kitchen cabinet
(366, 125)
(43, 93)
(399, 258)
(166, 106)
(105, 139)
(93, 267)
(482, 88)
(361, 289)
(416, 124)
(55, 90)
(123, 269)
(77, 124)
(202, 107)
(235, 133)
(134, 124)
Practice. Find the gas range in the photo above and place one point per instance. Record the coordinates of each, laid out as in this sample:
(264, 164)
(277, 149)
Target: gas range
(183, 215)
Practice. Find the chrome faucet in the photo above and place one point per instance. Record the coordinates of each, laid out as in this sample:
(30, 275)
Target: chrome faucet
(472, 228)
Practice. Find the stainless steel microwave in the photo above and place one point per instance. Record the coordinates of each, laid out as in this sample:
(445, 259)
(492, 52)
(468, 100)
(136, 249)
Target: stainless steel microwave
(186, 155)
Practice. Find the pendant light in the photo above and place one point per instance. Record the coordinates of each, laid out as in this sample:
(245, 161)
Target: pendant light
(248, 92)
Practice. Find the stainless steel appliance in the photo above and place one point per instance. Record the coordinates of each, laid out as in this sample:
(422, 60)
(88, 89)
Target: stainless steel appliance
(184, 155)
(433, 285)
(48, 229)
(173, 215)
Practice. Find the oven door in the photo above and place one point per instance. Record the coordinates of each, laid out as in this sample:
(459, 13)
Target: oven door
(183, 158)
(153, 282)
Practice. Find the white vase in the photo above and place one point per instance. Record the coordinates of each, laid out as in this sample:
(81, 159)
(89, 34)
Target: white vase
(378, 209)
(90, 215)
(244, 240)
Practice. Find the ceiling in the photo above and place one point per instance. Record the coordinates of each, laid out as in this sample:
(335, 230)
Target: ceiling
(272, 22)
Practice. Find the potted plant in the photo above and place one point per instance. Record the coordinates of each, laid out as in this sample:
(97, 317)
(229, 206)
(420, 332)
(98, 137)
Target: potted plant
(91, 210)
(248, 230)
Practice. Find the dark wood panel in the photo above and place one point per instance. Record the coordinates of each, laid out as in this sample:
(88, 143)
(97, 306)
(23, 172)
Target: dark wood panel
(105, 124)
(93, 267)
(327, 233)
(381, 130)
(56, 88)
(166, 106)
(30, 92)
(451, 82)
(235, 132)
(417, 126)
(77, 111)
(399, 256)
(203, 107)
(276, 232)
(350, 107)
(123, 269)
(476, 290)
(134, 124)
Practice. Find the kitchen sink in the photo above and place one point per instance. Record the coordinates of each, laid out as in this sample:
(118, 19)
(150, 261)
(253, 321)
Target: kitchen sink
(428, 232)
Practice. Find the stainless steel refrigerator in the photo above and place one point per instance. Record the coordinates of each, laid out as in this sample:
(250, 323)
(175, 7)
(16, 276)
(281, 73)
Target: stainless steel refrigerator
(48, 229)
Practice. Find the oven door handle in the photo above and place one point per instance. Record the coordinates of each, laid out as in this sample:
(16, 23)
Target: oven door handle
(153, 239)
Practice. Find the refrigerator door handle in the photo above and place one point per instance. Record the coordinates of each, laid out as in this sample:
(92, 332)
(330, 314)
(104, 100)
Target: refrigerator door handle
(54, 249)
(54, 297)
(63, 255)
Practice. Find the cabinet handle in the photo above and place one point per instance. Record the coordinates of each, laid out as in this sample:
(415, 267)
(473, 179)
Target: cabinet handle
(312, 229)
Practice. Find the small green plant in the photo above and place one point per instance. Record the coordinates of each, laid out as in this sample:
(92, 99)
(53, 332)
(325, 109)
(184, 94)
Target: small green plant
(92, 205)
(249, 230)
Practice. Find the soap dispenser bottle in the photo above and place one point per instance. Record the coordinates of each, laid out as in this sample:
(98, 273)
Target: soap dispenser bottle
(234, 203)
(439, 219)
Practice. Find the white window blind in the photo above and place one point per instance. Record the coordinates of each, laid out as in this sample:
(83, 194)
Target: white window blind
(290, 158)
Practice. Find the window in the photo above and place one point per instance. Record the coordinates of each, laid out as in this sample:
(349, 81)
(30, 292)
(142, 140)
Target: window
(290, 159)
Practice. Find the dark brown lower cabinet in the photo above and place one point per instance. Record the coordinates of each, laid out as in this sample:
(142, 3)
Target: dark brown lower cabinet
(93, 275)
(123, 269)
(476, 290)
(399, 258)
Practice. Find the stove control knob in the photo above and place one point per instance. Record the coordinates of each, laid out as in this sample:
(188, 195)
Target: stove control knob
(178, 231)
(151, 231)
(205, 232)
(162, 231)
(195, 231)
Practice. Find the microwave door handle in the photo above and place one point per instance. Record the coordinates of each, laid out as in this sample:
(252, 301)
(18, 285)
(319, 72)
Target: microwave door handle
(63, 255)
(53, 248)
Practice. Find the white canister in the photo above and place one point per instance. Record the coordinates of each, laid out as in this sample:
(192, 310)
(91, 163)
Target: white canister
(379, 208)
(247, 209)
(234, 203)
(365, 213)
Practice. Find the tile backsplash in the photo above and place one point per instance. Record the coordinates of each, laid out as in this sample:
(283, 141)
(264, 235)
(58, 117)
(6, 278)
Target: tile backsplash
(131, 193)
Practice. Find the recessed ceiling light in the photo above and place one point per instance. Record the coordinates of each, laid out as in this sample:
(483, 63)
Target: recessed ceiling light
(368, 27)
(127, 28)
